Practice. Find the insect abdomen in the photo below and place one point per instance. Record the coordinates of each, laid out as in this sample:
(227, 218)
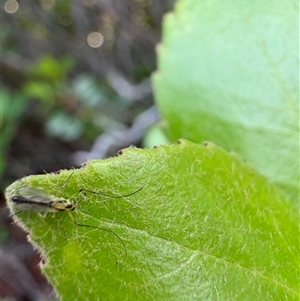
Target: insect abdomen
(28, 204)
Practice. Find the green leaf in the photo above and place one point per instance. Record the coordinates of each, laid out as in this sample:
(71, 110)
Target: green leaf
(204, 226)
(40, 90)
(154, 136)
(229, 73)
(51, 69)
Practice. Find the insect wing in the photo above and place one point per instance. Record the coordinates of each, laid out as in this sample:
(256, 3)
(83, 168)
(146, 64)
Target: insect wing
(31, 199)
(33, 193)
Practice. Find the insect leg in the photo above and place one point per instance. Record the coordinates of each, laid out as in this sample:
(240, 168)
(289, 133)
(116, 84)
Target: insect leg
(105, 229)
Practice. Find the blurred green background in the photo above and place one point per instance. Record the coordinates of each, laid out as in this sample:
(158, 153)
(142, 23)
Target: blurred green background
(75, 84)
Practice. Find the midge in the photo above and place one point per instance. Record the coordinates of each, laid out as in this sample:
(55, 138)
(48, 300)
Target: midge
(34, 200)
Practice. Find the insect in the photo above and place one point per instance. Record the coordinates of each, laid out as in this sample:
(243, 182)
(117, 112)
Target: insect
(34, 200)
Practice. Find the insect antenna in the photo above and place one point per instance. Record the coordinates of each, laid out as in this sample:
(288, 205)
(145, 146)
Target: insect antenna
(112, 196)
(105, 229)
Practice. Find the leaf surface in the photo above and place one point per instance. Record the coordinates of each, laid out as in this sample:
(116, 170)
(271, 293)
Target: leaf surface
(204, 226)
(228, 72)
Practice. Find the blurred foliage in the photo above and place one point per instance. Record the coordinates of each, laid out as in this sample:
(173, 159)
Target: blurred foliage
(52, 70)
(47, 78)
(74, 91)
(12, 106)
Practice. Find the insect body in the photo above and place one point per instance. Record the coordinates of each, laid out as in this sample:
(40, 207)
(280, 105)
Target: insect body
(30, 199)
(34, 200)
